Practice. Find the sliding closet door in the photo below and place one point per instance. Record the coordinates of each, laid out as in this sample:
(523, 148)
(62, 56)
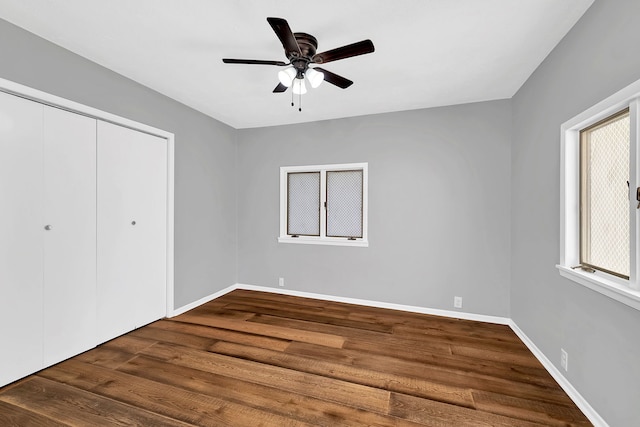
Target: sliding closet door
(70, 241)
(21, 234)
(132, 224)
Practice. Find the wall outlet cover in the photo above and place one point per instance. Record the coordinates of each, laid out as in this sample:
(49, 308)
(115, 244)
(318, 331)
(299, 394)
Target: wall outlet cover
(457, 302)
(564, 359)
(281, 281)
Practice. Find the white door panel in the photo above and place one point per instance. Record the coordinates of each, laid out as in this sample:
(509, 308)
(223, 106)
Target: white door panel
(132, 185)
(70, 244)
(150, 229)
(21, 234)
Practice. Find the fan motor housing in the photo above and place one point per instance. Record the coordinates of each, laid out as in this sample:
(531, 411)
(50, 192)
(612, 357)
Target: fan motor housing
(307, 43)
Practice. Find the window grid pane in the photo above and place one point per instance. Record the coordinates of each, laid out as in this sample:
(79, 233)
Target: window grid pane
(344, 203)
(303, 203)
(604, 206)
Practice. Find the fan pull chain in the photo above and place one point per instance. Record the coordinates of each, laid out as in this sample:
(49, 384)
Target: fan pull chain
(299, 101)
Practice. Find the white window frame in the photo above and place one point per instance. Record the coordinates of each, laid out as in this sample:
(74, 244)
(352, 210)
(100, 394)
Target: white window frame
(617, 288)
(323, 239)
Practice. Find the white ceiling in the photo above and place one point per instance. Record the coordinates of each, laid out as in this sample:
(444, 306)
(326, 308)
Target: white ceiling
(428, 52)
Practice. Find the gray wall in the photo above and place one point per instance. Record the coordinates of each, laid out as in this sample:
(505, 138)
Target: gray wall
(598, 57)
(438, 207)
(205, 198)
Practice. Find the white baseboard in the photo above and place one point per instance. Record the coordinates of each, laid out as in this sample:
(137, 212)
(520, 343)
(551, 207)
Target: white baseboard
(378, 304)
(201, 301)
(577, 398)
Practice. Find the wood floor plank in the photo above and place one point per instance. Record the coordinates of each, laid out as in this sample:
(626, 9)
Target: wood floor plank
(520, 371)
(497, 355)
(536, 411)
(222, 312)
(117, 351)
(419, 320)
(220, 334)
(447, 364)
(15, 416)
(302, 314)
(292, 307)
(441, 414)
(374, 338)
(173, 402)
(158, 333)
(65, 404)
(129, 343)
(463, 329)
(440, 334)
(265, 330)
(293, 302)
(355, 395)
(372, 378)
(106, 357)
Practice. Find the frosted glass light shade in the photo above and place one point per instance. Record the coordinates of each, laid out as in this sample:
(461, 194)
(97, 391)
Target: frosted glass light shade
(287, 75)
(314, 77)
(299, 88)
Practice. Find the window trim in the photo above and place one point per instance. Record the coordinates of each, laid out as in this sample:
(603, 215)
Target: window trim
(624, 291)
(323, 239)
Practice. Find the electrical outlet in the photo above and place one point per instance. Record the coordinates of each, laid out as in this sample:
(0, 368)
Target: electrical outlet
(564, 359)
(281, 281)
(457, 302)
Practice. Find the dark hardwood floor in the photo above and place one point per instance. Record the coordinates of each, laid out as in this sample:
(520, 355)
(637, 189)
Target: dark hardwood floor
(259, 359)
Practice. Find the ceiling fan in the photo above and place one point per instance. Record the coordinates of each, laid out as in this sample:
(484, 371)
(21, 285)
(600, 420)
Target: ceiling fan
(300, 50)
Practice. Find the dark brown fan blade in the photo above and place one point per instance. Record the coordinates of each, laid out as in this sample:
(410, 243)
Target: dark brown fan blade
(280, 88)
(284, 33)
(252, 61)
(334, 79)
(354, 49)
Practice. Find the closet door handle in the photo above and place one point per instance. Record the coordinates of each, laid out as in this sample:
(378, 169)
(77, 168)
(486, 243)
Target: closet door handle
(48, 227)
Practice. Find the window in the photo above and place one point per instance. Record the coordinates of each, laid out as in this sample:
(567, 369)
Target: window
(600, 197)
(324, 204)
(604, 195)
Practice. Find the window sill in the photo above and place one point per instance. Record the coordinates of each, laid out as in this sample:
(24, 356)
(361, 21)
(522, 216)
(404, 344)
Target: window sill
(604, 285)
(326, 241)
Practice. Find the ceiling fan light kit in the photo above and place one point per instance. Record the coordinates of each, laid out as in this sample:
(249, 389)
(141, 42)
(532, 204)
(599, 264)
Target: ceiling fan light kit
(299, 88)
(300, 50)
(315, 77)
(287, 75)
